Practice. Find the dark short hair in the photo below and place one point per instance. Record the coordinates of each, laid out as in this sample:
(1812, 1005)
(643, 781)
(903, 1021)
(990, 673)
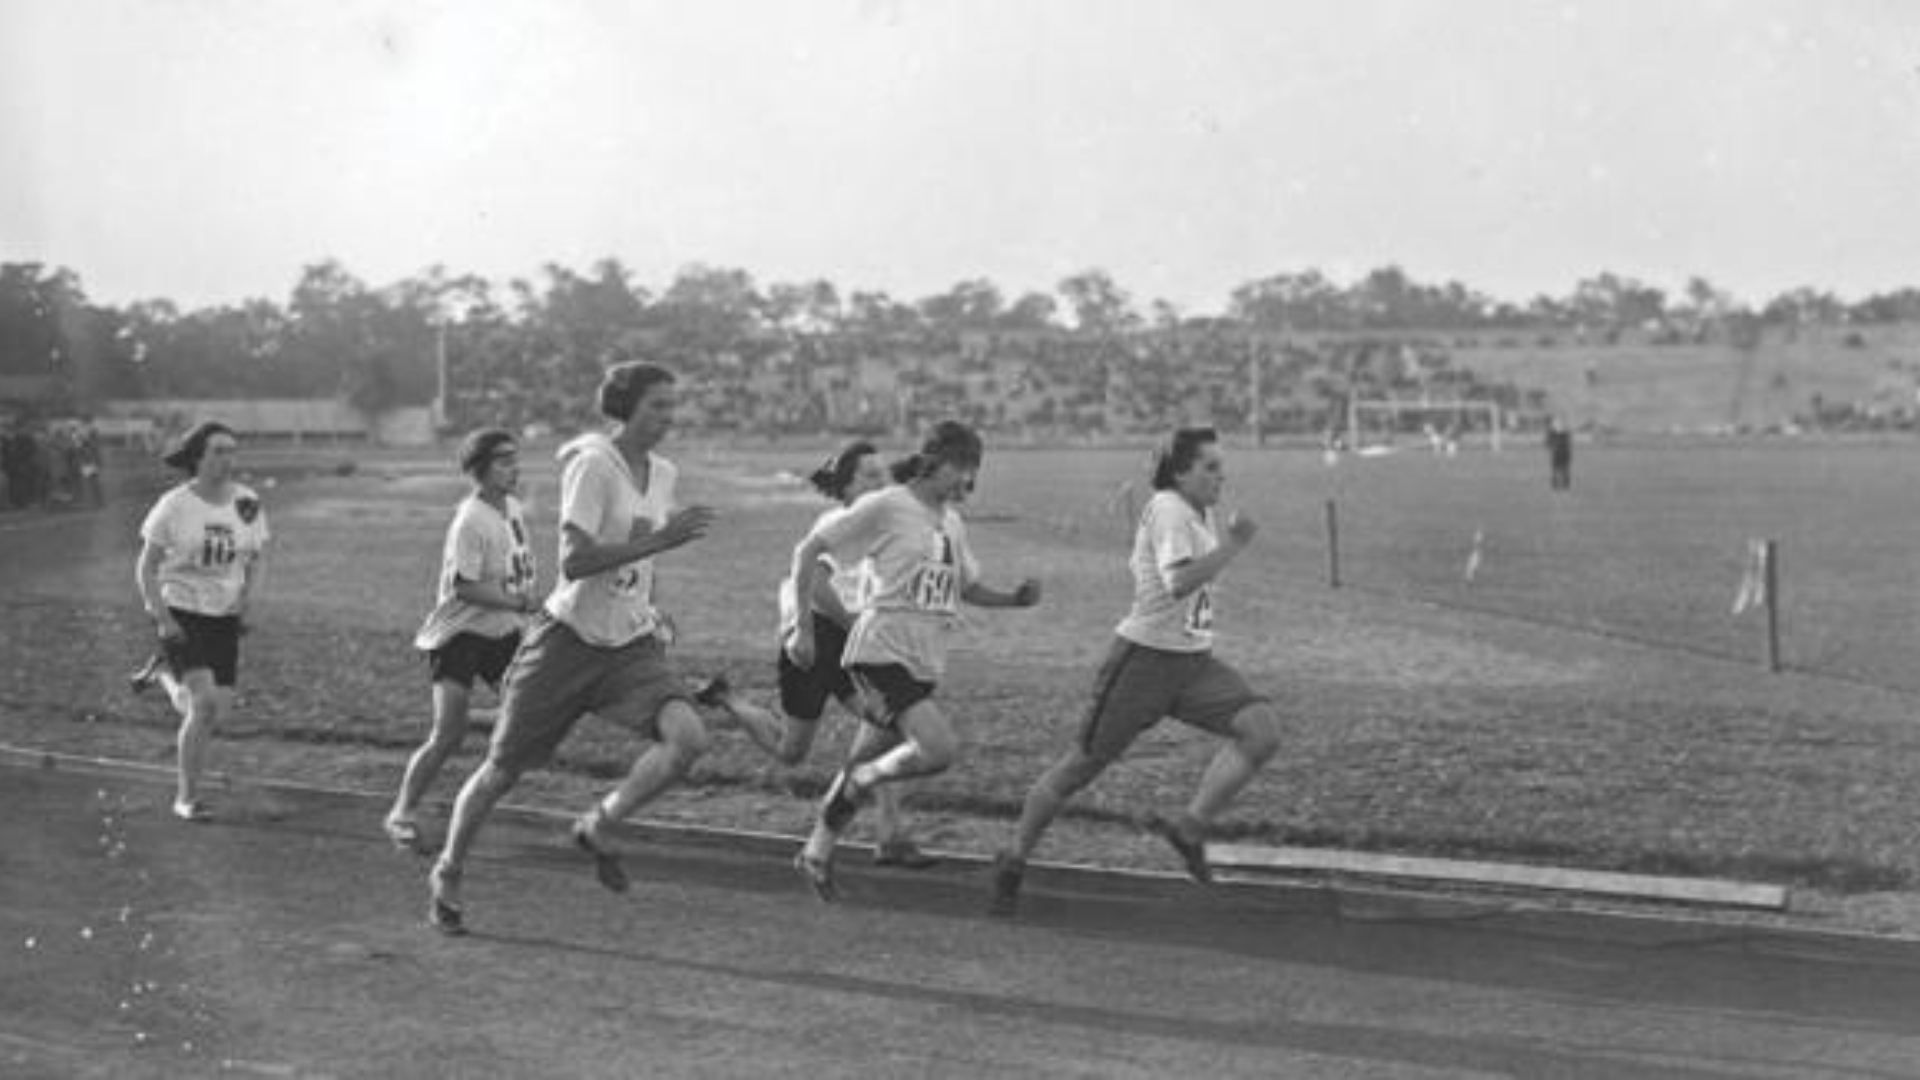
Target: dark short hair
(624, 385)
(480, 447)
(949, 442)
(1177, 454)
(835, 474)
(185, 454)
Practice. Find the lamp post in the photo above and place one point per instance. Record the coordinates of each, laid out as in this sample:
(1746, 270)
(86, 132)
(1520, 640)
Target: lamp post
(440, 373)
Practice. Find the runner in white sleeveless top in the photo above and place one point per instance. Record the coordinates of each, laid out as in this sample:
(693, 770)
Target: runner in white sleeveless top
(485, 593)
(1161, 664)
(804, 692)
(598, 644)
(202, 555)
(919, 568)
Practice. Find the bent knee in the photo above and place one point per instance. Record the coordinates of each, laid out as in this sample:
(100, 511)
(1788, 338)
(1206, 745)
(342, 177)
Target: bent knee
(683, 733)
(690, 744)
(207, 704)
(494, 776)
(796, 742)
(446, 737)
(1257, 732)
(939, 755)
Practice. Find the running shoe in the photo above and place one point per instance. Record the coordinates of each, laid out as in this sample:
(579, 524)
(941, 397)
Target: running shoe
(842, 802)
(606, 864)
(1008, 870)
(148, 676)
(192, 810)
(903, 853)
(443, 914)
(819, 876)
(1192, 850)
(446, 918)
(405, 834)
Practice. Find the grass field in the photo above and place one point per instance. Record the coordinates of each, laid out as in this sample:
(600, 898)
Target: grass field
(1586, 699)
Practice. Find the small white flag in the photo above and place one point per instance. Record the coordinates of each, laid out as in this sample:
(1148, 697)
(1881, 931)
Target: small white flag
(1753, 582)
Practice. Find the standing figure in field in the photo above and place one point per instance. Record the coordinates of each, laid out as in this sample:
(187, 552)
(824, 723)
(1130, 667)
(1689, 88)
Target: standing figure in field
(485, 593)
(1161, 664)
(804, 691)
(1559, 455)
(597, 646)
(919, 569)
(202, 556)
(89, 459)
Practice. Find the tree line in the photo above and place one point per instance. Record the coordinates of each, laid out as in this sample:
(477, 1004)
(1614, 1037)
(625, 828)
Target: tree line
(337, 336)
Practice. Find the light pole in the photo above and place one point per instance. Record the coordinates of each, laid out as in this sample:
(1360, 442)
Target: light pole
(440, 373)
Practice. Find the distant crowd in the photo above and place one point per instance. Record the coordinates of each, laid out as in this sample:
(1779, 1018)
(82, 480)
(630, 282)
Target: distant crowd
(50, 464)
(1005, 383)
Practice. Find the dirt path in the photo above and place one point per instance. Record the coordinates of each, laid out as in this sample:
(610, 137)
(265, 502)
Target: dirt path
(285, 941)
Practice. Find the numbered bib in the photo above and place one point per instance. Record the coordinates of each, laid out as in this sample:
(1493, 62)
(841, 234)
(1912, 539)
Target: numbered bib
(935, 588)
(520, 573)
(1200, 611)
(626, 581)
(218, 546)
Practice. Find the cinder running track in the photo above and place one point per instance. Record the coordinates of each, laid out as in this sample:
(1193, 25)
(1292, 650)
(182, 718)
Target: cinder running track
(288, 940)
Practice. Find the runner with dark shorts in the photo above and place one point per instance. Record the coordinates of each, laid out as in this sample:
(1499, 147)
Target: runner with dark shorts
(912, 544)
(484, 595)
(598, 644)
(202, 555)
(1161, 664)
(804, 692)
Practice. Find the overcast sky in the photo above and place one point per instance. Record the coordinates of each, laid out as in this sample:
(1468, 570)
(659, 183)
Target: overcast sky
(205, 150)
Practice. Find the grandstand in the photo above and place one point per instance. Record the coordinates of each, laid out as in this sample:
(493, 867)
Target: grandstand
(1784, 381)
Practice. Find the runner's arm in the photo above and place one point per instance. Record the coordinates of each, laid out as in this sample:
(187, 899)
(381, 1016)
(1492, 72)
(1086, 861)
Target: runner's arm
(980, 594)
(146, 574)
(826, 599)
(1186, 575)
(490, 594)
(581, 556)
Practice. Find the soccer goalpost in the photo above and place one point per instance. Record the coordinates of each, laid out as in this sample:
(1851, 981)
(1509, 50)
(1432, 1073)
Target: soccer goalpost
(1441, 426)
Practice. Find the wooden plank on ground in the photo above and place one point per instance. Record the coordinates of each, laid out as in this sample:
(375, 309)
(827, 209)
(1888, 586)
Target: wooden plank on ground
(1507, 875)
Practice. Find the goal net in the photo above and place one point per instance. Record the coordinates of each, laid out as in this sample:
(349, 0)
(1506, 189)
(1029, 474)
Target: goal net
(1439, 427)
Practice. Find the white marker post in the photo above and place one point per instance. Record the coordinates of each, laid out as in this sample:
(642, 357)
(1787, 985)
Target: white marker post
(1333, 545)
(1770, 564)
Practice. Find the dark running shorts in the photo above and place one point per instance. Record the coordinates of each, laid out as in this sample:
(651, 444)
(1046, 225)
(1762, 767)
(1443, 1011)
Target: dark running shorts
(804, 691)
(1137, 685)
(886, 692)
(556, 677)
(466, 656)
(207, 643)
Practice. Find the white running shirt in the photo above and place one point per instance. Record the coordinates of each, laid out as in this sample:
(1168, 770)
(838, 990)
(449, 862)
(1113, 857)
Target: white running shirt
(483, 545)
(1171, 532)
(917, 563)
(598, 495)
(207, 547)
